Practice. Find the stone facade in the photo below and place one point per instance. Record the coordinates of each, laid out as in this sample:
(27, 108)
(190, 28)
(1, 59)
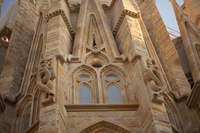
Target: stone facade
(97, 66)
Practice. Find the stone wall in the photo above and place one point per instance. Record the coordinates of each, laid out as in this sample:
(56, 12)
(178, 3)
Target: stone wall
(126, 119)
(163, 44)
(18, 50)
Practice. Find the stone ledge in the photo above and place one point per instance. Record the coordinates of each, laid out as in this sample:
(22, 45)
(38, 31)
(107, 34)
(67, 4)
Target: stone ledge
(101, 107)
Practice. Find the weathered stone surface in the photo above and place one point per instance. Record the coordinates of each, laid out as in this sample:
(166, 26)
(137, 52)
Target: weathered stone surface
(97, 66)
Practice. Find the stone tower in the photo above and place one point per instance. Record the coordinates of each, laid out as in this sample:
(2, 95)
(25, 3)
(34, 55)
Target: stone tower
(92, 66)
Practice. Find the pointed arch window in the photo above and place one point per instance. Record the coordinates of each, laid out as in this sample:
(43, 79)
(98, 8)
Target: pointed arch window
(26, 117)
(114, 94)
(84, 92)
(85, 96)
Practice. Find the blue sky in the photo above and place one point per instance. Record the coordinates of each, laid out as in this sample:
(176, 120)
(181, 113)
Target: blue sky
(164, 7)
(6, 5)
(166, 11)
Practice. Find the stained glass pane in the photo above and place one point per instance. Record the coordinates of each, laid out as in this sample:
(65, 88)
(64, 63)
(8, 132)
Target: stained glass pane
(114, 95)
(85, 95)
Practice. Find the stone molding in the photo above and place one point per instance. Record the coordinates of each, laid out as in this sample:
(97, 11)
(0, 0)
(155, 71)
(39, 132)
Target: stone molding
(121, 18)
(25, 101)
(67, 22)
(101, 107)
(106, 125)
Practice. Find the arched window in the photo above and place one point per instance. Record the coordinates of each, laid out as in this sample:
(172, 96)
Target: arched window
(85, 86)
(26, 118)
(114, 94)
(85, 94)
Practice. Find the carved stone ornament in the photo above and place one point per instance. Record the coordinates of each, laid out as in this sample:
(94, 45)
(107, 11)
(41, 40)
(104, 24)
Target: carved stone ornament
(153, 79)
(105, 125)
(45, 77)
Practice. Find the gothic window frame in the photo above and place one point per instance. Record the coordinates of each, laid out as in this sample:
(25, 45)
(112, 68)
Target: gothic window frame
(21, 114)
(119, 83)
(36, 106)
(90, 91)
(91, 83)
(108, 86)
(26, 114)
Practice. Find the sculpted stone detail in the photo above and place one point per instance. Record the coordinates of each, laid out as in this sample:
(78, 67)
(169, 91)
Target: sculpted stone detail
(45, 77)
(128, 58)
(153, 79)
(105, 125)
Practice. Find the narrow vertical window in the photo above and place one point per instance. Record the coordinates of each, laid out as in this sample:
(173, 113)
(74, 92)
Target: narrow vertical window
(26, 122)
(26, 118)
(114, 95)
(85, 95)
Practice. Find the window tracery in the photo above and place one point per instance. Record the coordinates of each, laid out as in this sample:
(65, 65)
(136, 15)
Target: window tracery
(26, 118)
(114, 94)
(114, 91)
(85, 94)
(85, 85)
(23, 120)
(27, 112)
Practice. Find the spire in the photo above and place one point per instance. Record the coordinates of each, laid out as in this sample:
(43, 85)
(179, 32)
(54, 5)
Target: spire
(191, 39)
(93, 29)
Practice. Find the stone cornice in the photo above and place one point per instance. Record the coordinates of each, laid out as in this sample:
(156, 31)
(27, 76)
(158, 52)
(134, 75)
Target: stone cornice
(121, 18)
(67, 22)
(101, 107)
(105, 125)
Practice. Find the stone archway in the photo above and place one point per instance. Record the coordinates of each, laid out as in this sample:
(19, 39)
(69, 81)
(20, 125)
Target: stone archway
(104, 127)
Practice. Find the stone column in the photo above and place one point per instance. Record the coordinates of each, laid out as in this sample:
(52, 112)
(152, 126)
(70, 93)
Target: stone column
(152, 111)
(191, 40)
(58, 45)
